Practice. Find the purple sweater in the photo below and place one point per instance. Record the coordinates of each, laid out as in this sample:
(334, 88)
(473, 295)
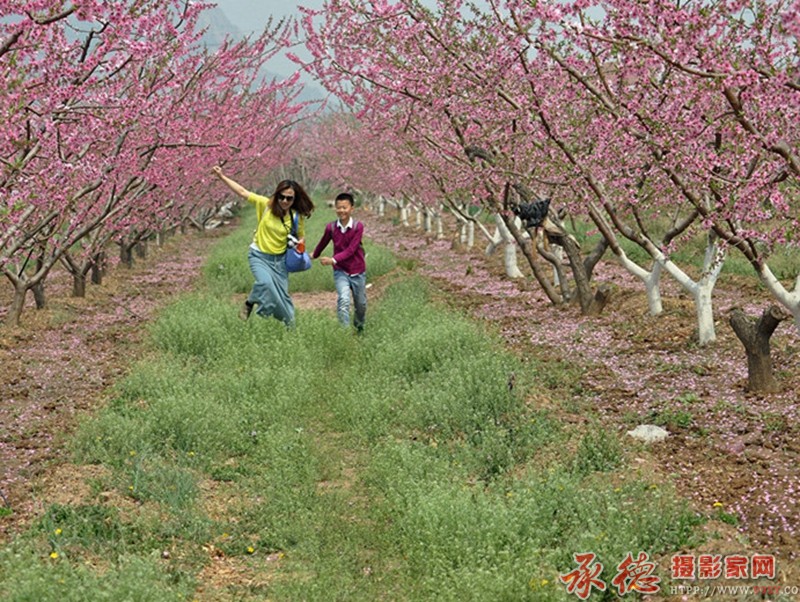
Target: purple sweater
(348, 253)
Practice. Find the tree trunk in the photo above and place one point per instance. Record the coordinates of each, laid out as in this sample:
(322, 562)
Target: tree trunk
(510, 260)
(652, 285)
(141, 248)
(17, 303)
(558, 272)
(526, 246)
(651, 279)
(755, 336)
(98, 267)
(601, 298)
(79, 284)
(126, 255)
(510, 249)
(39, 296)
(38, 288)
(704, 306)
(404, 214)
(470, 242)
(580, 277)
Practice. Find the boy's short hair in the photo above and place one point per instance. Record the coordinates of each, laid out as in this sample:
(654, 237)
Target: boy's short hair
(345, 196)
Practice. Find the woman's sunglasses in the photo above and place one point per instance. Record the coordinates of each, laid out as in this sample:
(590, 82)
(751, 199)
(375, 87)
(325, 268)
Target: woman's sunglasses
(283, 197)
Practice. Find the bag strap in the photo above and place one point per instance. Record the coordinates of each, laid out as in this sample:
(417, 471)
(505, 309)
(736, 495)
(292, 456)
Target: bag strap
(295, 226)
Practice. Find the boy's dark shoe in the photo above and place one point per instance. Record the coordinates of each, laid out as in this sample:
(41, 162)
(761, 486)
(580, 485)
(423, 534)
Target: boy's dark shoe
(246, 310)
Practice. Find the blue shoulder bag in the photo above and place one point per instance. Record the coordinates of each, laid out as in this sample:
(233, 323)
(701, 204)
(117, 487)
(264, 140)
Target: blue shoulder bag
(296, 261)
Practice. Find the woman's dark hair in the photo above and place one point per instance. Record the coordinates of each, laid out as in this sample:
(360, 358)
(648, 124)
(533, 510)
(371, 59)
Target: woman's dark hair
(302, 202)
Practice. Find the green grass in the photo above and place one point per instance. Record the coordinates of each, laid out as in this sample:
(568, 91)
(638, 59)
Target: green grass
(325, 466)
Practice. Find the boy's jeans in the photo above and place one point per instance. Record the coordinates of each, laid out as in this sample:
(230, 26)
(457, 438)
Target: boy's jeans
(358, 285)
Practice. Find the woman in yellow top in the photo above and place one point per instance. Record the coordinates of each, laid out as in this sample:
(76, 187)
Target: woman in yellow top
(268, 249)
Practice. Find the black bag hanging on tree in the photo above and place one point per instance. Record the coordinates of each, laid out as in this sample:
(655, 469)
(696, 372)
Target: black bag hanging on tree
(532, 214)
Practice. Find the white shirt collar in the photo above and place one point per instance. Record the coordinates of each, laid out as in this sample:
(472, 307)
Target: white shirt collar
(344, 228)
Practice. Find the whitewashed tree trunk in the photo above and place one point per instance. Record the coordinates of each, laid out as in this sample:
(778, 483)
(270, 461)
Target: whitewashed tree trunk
(510, 261)
(438, 226)
(704, 307)
(395, 204)
(494, 241)
(558, 251)
(418, 218)
(702, 289)
(470, 227)
(504, 237)
(789, 299)
(403, 213)
(652, 286)
(651, 280)
(381, 206)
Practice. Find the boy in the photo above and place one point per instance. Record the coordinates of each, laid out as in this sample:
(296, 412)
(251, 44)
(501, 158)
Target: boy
(349, 267)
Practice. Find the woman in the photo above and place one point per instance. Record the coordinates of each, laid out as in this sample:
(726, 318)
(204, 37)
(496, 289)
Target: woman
(268, 249)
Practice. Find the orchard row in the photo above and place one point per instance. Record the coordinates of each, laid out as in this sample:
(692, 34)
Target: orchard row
(110, 117)
(656, 124)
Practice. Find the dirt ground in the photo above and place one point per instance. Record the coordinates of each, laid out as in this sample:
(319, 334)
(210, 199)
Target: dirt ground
(731, 453)
(58, 364)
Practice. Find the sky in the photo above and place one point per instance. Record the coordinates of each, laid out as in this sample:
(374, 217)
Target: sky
(252, 15)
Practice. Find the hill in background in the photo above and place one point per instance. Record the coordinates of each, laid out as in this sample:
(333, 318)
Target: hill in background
(218, 26)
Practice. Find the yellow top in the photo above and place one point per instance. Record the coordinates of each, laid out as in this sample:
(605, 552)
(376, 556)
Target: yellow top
(270, 236)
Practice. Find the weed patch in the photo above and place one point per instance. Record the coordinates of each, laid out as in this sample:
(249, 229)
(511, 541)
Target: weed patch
(401, 464)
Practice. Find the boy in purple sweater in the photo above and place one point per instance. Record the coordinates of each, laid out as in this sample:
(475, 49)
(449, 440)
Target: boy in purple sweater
(349, 267)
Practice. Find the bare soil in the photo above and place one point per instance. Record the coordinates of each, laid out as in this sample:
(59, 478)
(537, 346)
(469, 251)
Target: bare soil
(731, 453)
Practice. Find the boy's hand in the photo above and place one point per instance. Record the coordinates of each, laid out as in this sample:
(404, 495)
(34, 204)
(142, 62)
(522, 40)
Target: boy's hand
(326, 260)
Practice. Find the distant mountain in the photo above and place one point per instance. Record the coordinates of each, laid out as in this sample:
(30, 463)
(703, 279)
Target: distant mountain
(218, 28)
(311, 92)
